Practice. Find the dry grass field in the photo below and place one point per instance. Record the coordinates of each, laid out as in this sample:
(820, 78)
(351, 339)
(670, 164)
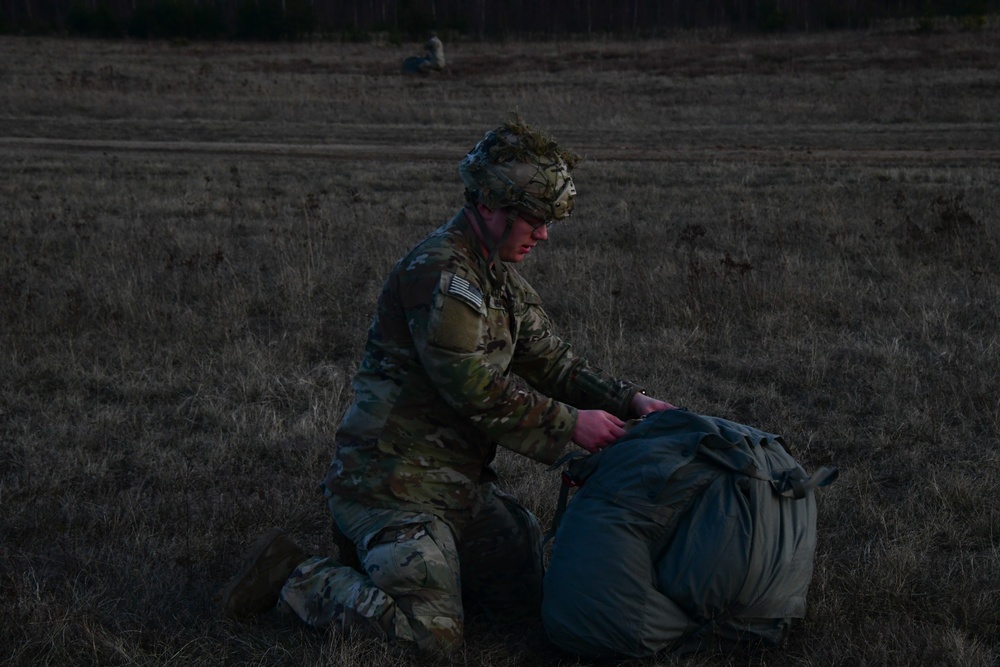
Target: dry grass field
(796, 232)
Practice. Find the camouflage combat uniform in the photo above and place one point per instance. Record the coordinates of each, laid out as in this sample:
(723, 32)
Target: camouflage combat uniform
(460, 359)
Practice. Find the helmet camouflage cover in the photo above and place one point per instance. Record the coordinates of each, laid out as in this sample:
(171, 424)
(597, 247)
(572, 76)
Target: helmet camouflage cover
(517, 167)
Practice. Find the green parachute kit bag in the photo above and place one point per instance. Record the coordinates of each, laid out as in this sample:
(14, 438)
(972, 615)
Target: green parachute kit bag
(690, 532)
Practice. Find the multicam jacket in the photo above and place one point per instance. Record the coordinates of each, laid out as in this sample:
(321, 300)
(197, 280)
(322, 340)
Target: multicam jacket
(460, 358)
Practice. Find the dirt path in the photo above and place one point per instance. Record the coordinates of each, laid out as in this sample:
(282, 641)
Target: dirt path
(448, 153)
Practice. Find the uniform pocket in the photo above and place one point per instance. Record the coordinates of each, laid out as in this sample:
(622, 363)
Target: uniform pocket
(405, 558)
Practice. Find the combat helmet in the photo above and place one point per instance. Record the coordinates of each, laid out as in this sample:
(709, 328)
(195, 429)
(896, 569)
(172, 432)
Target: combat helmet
(518, 168)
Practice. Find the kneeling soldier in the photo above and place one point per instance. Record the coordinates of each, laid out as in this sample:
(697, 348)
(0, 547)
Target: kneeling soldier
(460, 359)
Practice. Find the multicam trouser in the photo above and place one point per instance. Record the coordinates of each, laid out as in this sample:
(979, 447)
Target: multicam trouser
(418, 567)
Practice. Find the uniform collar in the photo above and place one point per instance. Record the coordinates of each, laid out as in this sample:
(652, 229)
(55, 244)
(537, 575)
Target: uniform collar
(496, 273)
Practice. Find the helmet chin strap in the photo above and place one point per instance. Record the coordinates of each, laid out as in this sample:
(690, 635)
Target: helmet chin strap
(492, 246)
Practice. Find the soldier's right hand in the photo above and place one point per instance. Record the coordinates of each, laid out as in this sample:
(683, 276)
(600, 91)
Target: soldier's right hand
(596, 429)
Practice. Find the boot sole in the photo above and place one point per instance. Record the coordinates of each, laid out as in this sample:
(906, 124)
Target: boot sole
(240, 578)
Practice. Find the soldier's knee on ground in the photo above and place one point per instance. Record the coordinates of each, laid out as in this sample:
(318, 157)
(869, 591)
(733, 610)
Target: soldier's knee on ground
(323, 592)
(408, 558)
(419, 570)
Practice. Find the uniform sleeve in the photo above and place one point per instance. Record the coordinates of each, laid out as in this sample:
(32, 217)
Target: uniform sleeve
(550, 364)
(448, 337)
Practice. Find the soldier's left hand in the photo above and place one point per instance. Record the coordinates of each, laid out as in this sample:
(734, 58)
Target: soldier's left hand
(642, 405)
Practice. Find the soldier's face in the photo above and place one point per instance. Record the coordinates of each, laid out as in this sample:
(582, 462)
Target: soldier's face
(524, 235)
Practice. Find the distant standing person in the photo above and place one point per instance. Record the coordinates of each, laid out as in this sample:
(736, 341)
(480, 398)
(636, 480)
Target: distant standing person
(460, 360)
(433, 61)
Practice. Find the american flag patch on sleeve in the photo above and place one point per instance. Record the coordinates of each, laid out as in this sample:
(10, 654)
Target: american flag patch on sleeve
(466, 291)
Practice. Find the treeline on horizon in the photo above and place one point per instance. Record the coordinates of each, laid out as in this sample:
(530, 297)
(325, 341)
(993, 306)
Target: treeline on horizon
(480, 19)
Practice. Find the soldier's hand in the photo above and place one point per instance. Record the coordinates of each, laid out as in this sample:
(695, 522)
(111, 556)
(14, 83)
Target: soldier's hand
(642, 405)
(596, 429)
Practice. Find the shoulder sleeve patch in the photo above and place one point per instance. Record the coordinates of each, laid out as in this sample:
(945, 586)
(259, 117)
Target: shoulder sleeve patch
(462, 289)
(457, 316)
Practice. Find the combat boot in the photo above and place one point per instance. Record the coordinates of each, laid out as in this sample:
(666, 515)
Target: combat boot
(268, 564)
